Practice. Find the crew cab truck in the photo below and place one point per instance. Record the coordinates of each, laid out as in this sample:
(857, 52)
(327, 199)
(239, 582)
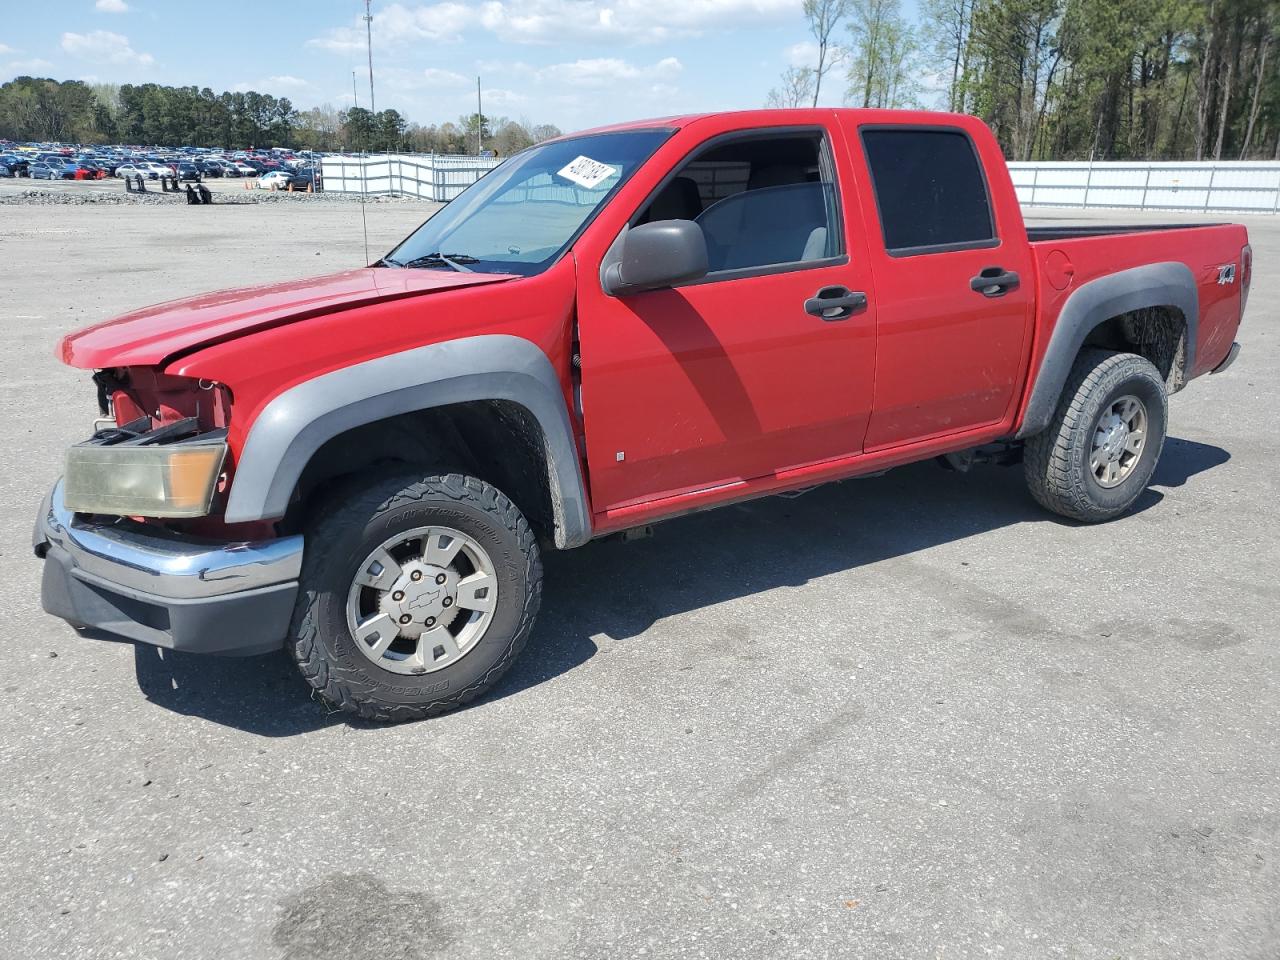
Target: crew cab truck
(609, 329)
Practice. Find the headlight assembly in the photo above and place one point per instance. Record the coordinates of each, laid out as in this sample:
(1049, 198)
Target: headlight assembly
(157, 480)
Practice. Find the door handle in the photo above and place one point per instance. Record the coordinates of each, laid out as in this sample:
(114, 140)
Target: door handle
(835, 303)
(994, 282)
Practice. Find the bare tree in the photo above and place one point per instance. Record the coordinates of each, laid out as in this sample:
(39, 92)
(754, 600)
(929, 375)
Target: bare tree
(1224, 111)
(882, 55)
(1208, 64)
(824, 17)
(946, 28)
(1265, 39)
(795, 90)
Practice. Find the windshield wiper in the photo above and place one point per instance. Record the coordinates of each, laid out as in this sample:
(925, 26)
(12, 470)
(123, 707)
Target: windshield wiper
(457, 261)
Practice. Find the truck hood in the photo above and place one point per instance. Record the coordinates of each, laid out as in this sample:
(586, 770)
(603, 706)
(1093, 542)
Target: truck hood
(152, 335)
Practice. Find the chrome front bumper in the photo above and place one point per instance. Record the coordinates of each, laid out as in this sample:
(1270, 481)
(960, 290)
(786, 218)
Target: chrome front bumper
(206, 597)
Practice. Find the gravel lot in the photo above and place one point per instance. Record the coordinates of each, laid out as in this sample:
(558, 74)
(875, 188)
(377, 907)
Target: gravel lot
(910, 716)
(24, 190)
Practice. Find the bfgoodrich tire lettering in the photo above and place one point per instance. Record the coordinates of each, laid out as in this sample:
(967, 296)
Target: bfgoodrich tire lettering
(1056, 462)
(354, 521)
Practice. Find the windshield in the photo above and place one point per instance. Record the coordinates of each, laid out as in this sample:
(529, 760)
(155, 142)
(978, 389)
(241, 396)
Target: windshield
(520, 218)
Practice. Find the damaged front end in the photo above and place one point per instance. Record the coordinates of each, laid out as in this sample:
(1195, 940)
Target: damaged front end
(159, 451)
(132, 537)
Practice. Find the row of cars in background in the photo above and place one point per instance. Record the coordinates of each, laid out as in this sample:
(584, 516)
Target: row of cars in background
(281, 169)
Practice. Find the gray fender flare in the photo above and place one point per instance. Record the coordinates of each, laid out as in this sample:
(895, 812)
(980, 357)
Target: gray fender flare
(1152, 285)
(294, 425)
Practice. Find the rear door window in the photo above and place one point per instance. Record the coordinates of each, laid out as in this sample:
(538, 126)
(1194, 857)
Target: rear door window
(930, 190)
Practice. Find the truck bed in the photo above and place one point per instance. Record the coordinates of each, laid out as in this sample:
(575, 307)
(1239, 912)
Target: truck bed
(1071, 255)
(1074, 231)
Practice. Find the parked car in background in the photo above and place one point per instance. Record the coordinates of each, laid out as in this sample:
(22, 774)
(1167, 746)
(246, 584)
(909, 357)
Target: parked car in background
(18, 165)
(209, 168)
(243, 169)
(45, 171)
(136, 170)
(83, 170)
(300, 179)
(276, 178)
(188, 171)
(5, 171)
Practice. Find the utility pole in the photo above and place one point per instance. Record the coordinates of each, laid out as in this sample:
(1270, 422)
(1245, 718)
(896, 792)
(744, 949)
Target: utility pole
(368, 34)
(355, 99)
(479, 119)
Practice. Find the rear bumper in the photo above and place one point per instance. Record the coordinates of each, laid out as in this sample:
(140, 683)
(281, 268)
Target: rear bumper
(233, 599)
(1229, 360)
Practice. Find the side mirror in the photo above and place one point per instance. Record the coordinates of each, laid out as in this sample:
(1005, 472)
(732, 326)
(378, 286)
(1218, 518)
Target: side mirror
(656, 255)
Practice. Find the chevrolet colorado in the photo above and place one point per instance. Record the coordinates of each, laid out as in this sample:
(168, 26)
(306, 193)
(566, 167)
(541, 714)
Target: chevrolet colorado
(609, 329)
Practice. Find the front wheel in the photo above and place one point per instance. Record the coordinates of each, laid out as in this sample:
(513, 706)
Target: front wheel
(1098, 453)
(417, 594)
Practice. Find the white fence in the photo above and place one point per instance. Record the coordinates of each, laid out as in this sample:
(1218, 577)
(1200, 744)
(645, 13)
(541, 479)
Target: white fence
(426, 176)
(1226, 187)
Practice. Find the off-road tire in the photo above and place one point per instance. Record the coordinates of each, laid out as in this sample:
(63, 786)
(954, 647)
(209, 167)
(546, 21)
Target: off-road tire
(344, 528)
(1056, 460)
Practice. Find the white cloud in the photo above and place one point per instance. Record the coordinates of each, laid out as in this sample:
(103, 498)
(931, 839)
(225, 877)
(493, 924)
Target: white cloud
(19, 68)
(573, 92)
(111, 6)
(406, 79)
(551, 21)
(437, 77)
(803, 54)
(397, 25)
(103, 46)
(635, 21)
(285, 80)
(273, 85)
(606, 71)
(5, 49)
(502, 99)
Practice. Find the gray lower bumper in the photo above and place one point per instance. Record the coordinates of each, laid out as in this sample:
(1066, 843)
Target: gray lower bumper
(223, 598)
(1229, 359)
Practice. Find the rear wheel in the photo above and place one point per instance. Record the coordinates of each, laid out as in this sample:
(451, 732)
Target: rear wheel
(1098, 453)
(416, 596)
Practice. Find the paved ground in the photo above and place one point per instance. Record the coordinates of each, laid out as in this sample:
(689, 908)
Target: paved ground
(904, 717)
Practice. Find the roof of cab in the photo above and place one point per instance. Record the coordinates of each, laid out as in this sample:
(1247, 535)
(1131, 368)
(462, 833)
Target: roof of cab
(801, 115)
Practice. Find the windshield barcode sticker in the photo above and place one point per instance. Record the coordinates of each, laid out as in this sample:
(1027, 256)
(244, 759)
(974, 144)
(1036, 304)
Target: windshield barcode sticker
(586, 172)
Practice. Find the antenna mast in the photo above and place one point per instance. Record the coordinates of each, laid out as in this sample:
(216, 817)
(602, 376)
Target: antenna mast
(368, 34)
(479, 119)
(364, 172)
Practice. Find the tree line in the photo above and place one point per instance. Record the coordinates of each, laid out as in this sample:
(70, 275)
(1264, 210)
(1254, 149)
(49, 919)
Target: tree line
(1063, 79)
(38, 109)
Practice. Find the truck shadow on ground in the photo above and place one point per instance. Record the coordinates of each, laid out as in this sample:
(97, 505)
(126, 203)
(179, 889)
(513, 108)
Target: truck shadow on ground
(621, 589)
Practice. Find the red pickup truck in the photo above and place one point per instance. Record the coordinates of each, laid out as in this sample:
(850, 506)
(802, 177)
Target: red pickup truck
(609, 329)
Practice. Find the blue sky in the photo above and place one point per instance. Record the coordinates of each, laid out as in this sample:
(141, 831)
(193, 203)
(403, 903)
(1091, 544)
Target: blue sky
(574, 63)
